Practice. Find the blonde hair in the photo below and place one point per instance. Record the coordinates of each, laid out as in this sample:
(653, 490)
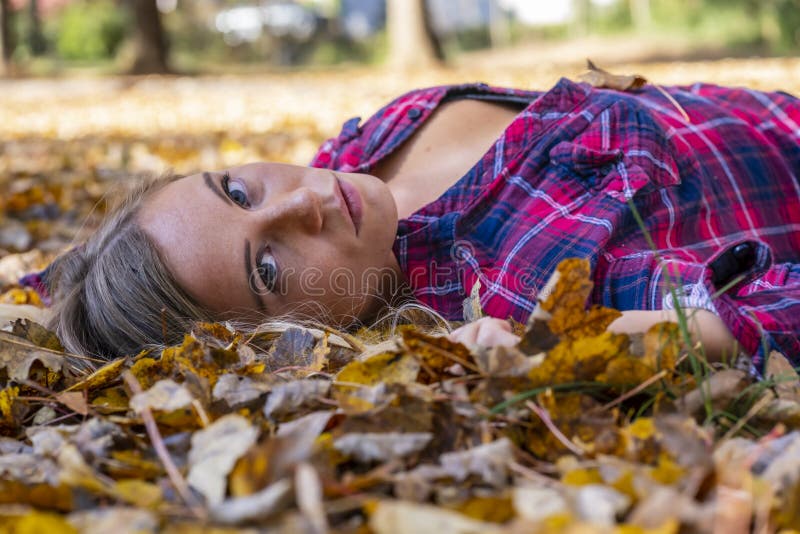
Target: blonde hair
(113, 295)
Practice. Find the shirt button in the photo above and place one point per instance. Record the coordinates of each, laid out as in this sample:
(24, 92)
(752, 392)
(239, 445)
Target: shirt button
(413, 113)
(736, 260)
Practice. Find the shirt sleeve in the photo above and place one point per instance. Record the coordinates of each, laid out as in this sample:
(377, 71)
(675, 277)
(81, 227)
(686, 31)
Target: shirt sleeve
(760, 305)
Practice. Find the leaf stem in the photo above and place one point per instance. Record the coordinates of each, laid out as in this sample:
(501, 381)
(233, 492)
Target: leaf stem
(163, 454)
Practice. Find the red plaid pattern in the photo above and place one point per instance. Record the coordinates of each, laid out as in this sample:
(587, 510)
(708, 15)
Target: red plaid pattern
(565, 179)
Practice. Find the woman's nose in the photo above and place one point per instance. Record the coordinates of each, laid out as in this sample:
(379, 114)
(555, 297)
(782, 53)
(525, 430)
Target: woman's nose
(299, 209)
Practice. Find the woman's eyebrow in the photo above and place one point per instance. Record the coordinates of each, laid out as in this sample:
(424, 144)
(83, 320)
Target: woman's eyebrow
(211, 185)
(248, 268)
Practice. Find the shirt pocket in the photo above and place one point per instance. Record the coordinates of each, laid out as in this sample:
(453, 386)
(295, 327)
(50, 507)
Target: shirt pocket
(625, 151)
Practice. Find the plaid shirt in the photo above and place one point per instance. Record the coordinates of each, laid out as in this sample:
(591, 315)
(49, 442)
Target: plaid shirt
(717, 190)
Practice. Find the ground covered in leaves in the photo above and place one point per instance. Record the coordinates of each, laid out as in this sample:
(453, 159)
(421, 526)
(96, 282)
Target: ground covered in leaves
(306, 430)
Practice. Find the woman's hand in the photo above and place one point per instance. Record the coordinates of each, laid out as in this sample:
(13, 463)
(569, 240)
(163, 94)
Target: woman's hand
(486, 332)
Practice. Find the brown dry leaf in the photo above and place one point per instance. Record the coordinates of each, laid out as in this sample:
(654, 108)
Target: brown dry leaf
(472, 304)
(294, 348)
(603, 79)
(787, 381)
(567, 301)
(436, 354)
(720, 388)
(74, 400)
(17, 355)
(36, 334)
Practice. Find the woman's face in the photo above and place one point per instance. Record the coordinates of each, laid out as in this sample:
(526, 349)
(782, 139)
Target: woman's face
(268, 238)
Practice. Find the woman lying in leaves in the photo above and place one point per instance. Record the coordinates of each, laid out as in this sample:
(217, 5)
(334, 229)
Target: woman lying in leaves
(694, 188)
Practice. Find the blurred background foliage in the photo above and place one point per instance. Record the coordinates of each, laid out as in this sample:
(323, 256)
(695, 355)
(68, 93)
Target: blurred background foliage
(270, 80)
(50, 36)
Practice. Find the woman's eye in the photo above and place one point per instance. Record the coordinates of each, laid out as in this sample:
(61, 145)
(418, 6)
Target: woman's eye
(235, 191)
(268, 270)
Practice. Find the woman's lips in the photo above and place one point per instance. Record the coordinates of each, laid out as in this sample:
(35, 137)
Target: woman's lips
(352, 199)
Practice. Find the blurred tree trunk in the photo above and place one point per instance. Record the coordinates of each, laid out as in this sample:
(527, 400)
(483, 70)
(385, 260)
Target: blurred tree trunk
(499, 27)
(151, 41)
(412, 42)
(583, 18)
(641, 15)
(6, 39)
(35, 36)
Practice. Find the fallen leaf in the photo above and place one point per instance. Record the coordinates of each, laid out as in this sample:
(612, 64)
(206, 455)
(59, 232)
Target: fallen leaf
(719, 389)
(237, 391)
(101, 378)
(258, 506)
(398, 517)
(18, 355)
(290, 396)
(36, 334)
(489, 462)
(163, 396)
(603, 79)
(472, 304)
(74, 400)
(214, 452)
(787, 381)
(381, 447)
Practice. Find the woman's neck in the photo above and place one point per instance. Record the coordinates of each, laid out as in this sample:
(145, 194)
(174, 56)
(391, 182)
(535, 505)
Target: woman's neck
(452, 140)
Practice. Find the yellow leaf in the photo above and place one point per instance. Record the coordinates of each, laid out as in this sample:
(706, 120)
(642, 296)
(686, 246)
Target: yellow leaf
(131, 463)
(494, 509)
(387, 367)
(582, 477)
(137, 492)
(111, 400)
(626, 372)
(566, 303)
(643, 428)
(662, 344)
(384, 368)
(437, 353)
(667, 471)
(102, 377)
(36, 522)
(8, 396)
